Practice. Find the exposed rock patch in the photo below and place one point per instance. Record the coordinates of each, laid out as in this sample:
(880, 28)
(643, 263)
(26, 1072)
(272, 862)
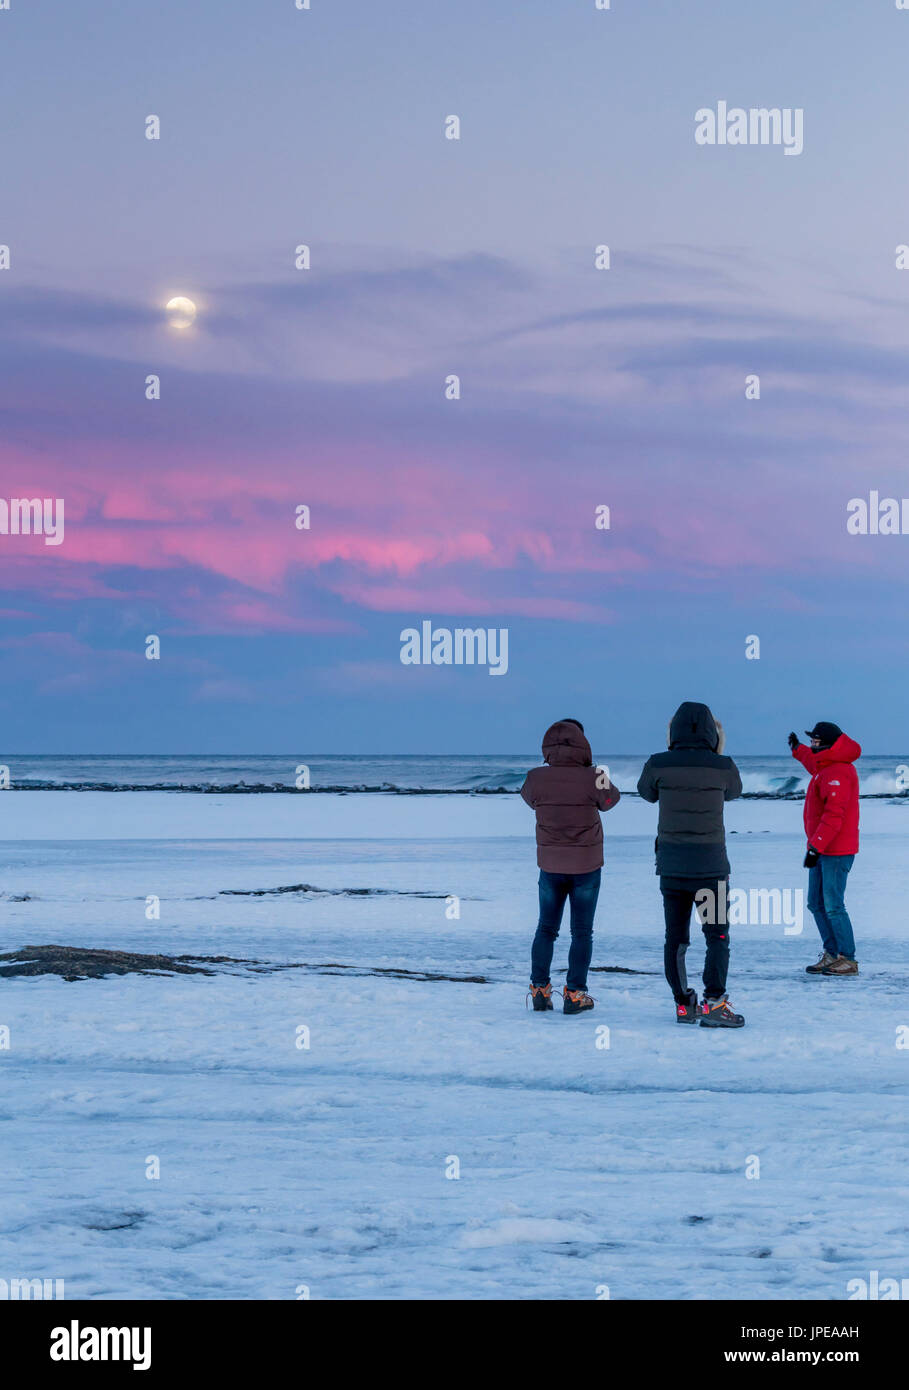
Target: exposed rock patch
(79, 963)
(83, 963)
(333, 892)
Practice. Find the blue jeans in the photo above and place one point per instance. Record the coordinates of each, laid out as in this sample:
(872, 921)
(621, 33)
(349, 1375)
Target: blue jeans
(826, 890)
(582, 891)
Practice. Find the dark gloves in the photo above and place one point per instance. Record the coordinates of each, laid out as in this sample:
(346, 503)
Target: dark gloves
(793, 740)
(811, 858)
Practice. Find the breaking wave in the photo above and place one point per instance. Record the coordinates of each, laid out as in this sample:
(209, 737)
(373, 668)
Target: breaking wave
(764, 778)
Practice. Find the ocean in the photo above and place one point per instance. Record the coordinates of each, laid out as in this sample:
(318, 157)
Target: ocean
(768, 776)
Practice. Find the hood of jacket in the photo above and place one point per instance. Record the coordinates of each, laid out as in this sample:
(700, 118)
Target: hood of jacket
(844, 750)
(565, 746)
(693, 726)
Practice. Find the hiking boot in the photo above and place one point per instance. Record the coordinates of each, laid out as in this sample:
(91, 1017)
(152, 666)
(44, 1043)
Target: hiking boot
(576, 1001)
(689, 1012)
(842, 966)
(823, 960)
(716, 1013)
(541, 996)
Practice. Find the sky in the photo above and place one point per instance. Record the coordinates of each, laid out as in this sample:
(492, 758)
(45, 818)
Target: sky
(579, 387)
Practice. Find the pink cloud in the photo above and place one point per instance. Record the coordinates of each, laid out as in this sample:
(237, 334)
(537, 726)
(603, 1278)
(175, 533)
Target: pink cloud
(213, 543)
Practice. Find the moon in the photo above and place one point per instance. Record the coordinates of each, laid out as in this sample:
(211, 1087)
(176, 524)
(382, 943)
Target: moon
(180, 311)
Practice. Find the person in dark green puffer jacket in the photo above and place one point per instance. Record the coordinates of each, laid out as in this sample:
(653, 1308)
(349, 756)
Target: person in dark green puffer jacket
(692, 782)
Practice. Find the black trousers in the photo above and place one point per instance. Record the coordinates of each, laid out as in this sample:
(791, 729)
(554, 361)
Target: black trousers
(678, 900)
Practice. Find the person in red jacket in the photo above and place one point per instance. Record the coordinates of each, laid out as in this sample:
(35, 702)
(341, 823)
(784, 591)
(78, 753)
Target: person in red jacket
(832, 827)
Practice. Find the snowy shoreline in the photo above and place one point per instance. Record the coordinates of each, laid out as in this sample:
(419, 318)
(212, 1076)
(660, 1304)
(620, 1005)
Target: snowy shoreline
(351, 815)
(579, 1165)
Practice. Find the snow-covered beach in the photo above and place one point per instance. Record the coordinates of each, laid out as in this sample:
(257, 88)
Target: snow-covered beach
(329, 1168)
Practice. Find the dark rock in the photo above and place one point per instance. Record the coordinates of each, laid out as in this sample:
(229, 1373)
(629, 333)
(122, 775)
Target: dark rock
(78, 963)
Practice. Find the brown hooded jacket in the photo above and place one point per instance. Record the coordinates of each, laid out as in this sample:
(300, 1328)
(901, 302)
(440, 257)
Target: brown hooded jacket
(567, 802)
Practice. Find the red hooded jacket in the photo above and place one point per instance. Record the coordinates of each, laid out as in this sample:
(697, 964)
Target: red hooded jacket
(568, 800)
(832, 798)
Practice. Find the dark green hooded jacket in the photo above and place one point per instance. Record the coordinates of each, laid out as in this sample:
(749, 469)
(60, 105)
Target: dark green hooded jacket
(691, 782)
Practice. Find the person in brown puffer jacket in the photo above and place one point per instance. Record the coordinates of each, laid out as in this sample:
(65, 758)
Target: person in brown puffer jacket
(567, 796)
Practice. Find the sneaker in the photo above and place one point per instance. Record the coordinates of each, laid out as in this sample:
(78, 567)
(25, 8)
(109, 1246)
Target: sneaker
(689, 1012)
(576, 1001)
(843, 965)
(823, 960)
(541, 996)
(716, 1013)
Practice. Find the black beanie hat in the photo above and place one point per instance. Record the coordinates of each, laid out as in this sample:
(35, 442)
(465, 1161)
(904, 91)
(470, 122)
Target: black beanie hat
(828, 733)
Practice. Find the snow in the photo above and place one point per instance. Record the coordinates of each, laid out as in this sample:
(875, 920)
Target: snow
(324, 1169)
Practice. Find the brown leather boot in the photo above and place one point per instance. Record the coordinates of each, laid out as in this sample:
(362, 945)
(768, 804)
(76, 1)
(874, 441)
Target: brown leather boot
(820, 965)
(842, 966)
